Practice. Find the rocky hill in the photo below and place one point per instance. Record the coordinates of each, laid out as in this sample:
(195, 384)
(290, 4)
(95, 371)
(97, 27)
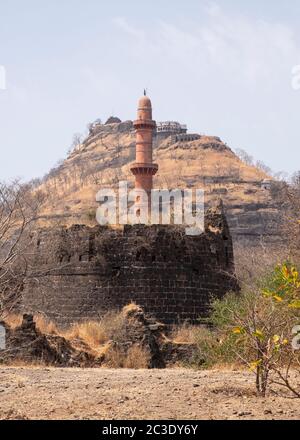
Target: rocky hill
(104, 159)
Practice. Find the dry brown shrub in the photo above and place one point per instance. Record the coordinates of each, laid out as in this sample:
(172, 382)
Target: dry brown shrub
(13, 320)
(45, 325)
(91, 332)
(95, 333)
(114, 358)
(136, 357)
(131, 308)
(185, 334)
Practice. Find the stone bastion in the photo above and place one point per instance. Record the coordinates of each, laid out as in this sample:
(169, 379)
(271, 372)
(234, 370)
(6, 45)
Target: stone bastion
(80, 273)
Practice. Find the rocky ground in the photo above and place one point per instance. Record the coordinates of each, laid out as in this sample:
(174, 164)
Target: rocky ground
(55, 393)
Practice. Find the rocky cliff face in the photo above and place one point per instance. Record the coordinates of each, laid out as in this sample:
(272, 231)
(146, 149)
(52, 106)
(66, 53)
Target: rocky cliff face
(105, 157)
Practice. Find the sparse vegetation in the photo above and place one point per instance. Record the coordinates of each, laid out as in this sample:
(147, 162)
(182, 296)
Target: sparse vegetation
(108, 339)
(136, 358)
(95, 333)
(255, 328)
(185, 333)
(18, 210)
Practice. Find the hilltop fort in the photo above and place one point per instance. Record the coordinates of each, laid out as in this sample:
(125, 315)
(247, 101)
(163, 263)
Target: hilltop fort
(81, 272)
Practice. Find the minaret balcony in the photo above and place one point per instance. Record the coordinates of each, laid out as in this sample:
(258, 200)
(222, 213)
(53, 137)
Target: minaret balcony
(144, 123)
(144, 168)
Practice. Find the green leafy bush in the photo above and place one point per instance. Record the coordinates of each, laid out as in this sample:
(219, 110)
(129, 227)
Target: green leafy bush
(255, 328)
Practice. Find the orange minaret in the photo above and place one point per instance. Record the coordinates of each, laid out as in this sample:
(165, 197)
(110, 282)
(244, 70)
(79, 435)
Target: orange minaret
(144, 169)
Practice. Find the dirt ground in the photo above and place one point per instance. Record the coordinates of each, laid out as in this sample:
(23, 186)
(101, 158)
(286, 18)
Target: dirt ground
(53, 393)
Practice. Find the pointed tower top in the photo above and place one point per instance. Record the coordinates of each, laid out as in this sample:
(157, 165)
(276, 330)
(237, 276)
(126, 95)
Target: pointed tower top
(220, 206)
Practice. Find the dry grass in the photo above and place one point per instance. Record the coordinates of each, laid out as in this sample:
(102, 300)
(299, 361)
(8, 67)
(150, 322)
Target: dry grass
(228, 366)
(97, 336)
(92, 333)
(20, 363)
(46, 326)
(135, 358)
(13, 320)
(96, 333)
(43, 324)
(131, 308)
(185, 334)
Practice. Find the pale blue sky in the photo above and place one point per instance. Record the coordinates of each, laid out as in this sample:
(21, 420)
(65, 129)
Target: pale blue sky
(221, 67)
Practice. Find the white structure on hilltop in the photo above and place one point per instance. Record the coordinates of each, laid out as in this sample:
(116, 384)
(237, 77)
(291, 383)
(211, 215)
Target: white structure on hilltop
(267, 184)
(171, 127)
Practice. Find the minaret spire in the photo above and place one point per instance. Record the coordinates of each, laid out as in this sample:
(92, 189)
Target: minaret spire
(144, 169)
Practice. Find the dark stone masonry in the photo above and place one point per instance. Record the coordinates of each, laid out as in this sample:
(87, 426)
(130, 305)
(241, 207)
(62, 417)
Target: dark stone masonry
(81, 272)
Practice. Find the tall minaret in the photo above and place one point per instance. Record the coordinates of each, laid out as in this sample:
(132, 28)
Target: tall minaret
(144, 169)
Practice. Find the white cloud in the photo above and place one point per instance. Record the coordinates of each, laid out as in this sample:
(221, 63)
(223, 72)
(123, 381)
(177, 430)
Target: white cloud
(212, 9)
(177, 41)
(122, 24)
(296, 77)
(254, 49)
(246, 48)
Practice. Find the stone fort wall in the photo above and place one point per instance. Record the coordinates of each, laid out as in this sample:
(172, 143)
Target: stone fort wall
(81, 272)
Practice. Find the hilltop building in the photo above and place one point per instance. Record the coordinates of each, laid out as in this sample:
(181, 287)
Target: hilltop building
(170, 128)
(178, 132)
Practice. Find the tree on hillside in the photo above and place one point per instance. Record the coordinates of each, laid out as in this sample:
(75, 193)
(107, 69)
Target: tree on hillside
(18, 210)
(262, 166)
(287, 197)
(244, 156)
(76, 142)
(296, 179)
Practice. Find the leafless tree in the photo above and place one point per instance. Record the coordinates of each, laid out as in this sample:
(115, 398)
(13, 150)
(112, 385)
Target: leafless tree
(263, 167)
(296, 179)
(76, 142)
(244, 156)
(19, 207)
(287, 197)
